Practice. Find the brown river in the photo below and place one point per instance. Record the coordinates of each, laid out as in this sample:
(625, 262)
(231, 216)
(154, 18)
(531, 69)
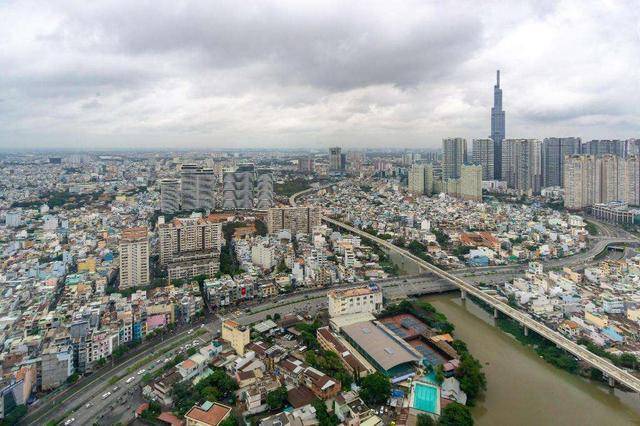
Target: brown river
(522, 388)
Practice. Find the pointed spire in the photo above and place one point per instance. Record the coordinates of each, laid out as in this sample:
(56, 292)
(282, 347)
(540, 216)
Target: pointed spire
(498, 79)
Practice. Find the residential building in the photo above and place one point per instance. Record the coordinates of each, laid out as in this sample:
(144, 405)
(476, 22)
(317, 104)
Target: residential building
(264, 189)
(581, 181)
(237, 335)
(263, 255)
(605, 146)
(337, 160)
(416, 182)
(521, 165)
(365, 299)
(454, 156)
(471, 183)
(134, 258)
(56, 365)
(184, 236)
(554, 151)
(197, 187)
(169, 196)
(237, 188)
(591, 180)
(294, 219)
(483, 155)
(207, 414)
(190, 246)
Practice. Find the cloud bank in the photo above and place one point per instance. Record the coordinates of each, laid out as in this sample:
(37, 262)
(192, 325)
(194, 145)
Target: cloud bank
(227, 74)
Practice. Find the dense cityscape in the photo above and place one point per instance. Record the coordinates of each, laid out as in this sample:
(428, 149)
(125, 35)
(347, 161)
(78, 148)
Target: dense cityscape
(319, 214)
(268, 314)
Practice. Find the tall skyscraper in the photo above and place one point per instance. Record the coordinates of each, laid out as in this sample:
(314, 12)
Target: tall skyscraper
(169, 196)
(554, 151)
(497, 127)
(197, 187)
(454, 152)
(134, 257)
(337, 160)
(522, 166)
(483, 155)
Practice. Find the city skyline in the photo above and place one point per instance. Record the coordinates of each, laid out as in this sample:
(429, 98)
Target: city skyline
(314, 75)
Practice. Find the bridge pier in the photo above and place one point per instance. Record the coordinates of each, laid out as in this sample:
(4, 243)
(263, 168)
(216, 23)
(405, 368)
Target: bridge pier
(526, 330)
(463, 295)
(612, 382)
(495, 313)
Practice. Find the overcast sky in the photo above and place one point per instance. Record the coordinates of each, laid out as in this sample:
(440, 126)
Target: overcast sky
(217, 74)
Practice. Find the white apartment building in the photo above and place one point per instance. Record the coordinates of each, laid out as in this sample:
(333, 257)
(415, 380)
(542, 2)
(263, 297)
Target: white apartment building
(365, 299)
(134, 258)
(263, 255)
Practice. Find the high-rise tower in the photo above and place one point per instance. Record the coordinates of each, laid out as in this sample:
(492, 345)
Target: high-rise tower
(497, 127)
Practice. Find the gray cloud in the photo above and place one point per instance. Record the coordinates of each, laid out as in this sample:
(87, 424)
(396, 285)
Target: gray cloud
(290, 73)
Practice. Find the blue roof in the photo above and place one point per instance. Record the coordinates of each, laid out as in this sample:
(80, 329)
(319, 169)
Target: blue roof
(612, 334)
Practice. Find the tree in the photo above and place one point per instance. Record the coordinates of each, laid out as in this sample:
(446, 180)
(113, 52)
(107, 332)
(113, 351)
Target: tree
(261, 228)
(229, 421)
(277, 399)
(73, 378)
(153, 411)
(472, 379)
(323, 415)
(425, 420)
(375, 388)
(455, 414)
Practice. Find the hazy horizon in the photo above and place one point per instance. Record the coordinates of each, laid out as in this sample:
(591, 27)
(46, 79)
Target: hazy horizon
(158, 76)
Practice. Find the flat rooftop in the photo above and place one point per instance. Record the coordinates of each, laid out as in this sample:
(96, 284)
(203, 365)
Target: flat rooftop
(381, 344)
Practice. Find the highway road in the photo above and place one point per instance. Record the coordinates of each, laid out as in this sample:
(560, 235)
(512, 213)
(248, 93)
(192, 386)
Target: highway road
(57, 405)
(117, 402)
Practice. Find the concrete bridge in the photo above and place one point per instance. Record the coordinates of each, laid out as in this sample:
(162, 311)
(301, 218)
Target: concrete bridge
(614, 373)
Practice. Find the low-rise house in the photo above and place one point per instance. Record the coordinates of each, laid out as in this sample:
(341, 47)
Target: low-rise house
(207, 414)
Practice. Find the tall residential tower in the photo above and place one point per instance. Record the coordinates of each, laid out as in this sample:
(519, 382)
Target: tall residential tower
(497, 127)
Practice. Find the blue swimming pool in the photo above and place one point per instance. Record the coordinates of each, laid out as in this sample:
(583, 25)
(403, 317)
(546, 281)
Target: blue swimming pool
(425, 397)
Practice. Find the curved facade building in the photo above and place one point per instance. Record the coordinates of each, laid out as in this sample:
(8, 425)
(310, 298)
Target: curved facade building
(237, 189)
(264, 189)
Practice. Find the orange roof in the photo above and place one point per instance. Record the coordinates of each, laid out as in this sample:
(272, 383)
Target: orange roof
(213, 416)
(188, 364)
(141, 408)
(134, 233)
(169, 418)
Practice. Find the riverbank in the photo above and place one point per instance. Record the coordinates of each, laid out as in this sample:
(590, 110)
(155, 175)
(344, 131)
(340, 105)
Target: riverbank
(523, 388)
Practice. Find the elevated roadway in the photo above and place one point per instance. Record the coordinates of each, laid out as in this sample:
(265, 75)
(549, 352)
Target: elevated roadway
(614, 373)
